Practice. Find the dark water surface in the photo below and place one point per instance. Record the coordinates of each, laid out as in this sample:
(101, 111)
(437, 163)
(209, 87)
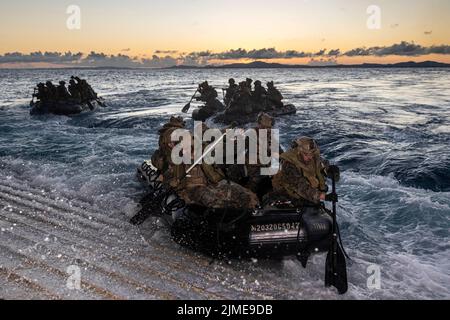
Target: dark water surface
(389, 130)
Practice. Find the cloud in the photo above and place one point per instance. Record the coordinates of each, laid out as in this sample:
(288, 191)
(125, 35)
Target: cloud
(322, 62)
(403, 48)
(334, 53)
(95, 59)
(159, 62)
(166, 51)
(168, 58)
(38, 56)
(255, 54)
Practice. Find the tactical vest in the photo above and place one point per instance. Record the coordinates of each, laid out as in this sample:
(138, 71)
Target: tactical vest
(313, 172)
(203, 175)
(196, 178)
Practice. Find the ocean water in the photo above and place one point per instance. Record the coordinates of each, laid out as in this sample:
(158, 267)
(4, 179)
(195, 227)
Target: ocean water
(389, 131)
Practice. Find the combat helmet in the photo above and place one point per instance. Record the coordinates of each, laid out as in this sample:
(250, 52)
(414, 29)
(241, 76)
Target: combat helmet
(307, 145)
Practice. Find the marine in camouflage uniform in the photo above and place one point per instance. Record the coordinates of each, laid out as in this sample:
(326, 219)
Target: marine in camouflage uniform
(256, 182)
(161, 159)
(274, 96)
(249, 83)
(74, 90)
(41, 94)
(62, 93)
(259, 97)
(242, 102)
(205, 185)
(301, 179)
(230, 92)
(208, 95)
(51, 92)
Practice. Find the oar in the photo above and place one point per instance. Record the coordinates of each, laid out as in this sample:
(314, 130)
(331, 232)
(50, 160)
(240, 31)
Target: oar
(207, 151)
(91, 107)
(336, 266)
(188, 106)
(101, 103)
(32, 99)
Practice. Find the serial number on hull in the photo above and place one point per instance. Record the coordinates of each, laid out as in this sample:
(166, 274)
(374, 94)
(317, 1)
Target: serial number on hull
(275, 227)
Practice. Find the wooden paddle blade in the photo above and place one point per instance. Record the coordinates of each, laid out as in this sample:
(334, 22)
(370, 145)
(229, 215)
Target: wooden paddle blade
(186, 108)
(336, 275)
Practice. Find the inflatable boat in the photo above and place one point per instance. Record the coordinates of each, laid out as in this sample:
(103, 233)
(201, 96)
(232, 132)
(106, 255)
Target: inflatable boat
(63, 108)
(241, 119)
(270, 232)
(203, 113)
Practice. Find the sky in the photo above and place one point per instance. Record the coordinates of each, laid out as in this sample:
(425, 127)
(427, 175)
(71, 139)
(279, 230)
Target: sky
(164, 32)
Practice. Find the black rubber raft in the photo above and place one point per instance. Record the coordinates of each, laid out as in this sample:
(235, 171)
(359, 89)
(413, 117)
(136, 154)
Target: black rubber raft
(66, 108)
(265, 233)
(269, 233)
(229, 118)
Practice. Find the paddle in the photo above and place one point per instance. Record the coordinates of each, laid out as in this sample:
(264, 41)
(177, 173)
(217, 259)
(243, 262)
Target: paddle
(188, 106)
(101, 103)
(336, 266)
(91, 107)
(32, 99)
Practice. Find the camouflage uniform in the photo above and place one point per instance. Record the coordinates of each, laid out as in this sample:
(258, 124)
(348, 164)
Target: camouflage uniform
(62, 92)
(259, 97)
(242, 104)
(255, 180)
(298, 181)
(85, 92)
(161, 159)
(274, 96)
(208, 95)
(230, 92)
(41, 94)
(205, 186)
(51, 92)
(74, 91)
(249, 82)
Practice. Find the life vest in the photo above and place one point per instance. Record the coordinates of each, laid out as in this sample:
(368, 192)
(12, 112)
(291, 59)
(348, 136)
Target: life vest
(312, 172)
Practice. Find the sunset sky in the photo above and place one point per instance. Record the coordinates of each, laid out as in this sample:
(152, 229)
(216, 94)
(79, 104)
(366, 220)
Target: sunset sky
(173, 29)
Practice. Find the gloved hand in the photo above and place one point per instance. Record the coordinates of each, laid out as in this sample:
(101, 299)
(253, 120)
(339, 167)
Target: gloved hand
(334, 171)
(332, 197)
